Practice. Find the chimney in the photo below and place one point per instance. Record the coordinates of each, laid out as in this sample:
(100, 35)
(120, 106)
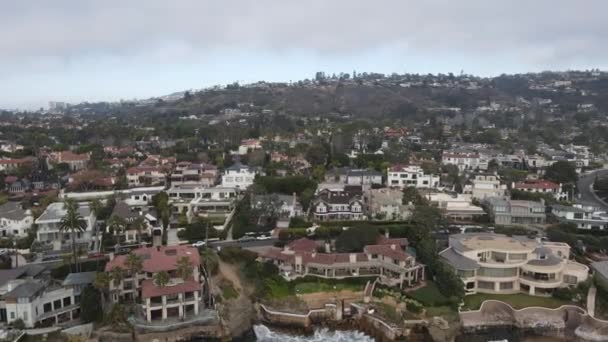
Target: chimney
(387, 233)
(352, 258)
(393, 247)
(111, 256)
(327, 247)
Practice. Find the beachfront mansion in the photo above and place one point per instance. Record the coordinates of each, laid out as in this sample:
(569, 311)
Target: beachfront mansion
(496, 263)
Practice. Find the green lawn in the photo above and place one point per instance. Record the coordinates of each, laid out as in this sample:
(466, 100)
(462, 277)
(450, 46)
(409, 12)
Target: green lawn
(517, 301)
(313, 287)
(429, 295)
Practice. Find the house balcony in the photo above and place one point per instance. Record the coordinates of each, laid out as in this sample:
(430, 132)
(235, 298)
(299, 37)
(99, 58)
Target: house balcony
(540, 282)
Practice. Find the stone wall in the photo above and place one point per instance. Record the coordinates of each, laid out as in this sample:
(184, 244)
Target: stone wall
(565, 321)
(303, 320)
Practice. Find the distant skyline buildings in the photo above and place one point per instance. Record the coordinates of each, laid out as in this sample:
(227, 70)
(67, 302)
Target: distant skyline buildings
(73, 51)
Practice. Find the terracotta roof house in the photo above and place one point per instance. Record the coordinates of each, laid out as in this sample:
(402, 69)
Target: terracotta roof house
(387, 260)
(180, 298)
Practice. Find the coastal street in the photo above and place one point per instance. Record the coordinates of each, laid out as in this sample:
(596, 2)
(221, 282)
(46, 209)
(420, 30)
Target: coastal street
(586, 195)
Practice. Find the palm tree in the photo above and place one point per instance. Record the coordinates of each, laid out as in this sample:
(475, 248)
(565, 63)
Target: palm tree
(116, 224)
(139, 225)
(134, 265)
(96, 207)
(72, 223)
(161, 278)
(101, 283)
(117, 274)
(184, 267)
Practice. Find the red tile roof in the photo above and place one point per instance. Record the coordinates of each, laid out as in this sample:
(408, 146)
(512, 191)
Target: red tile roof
(149, 289)
(158, 259)
(387, 251)
(383, 240)
(303, 245)
(67, 156)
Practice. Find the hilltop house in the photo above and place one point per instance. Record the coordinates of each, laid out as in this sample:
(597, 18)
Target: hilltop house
(485, 185)
(338, 204)
(239, 176)
(14, 220)
(512, 212)
(542, 186)
(412, 175)
(584, 217)
(49, 227)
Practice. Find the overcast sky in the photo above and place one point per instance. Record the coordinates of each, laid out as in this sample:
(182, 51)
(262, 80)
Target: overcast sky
(76, 50)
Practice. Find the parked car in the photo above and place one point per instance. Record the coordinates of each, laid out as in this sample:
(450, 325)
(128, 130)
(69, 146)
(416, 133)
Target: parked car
(246, 239)
(264, 237)
(198, 244)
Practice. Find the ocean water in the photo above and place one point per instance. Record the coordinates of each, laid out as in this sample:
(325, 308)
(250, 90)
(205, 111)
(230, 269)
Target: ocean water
(264, 334)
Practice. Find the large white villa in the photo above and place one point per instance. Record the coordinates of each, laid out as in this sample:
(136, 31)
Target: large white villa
(495, 263)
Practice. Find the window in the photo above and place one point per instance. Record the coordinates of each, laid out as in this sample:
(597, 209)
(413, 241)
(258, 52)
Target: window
(487, 285)
(12, 315)
(48, 307)
(67, 301)
(57, 304)
(506, 286)
(496, 272)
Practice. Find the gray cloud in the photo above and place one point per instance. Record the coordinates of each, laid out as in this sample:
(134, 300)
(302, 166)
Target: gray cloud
(44, 34)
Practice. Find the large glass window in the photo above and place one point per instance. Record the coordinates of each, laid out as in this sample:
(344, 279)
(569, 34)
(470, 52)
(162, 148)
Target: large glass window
(517, 256)
(465, 274)
(496, 272)
(487, 285)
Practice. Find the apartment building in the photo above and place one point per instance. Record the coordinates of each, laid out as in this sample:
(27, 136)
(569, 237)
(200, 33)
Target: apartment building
(343, 204)
(179, 299)
(485, 185)
(411, 175)
(14, 220)
(584, 217)
(387, 260)
(513, 212)
(49, 227)
(542, 186)
(495, 263)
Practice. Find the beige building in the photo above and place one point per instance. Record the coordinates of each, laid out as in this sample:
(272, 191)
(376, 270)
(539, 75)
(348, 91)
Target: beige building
(495, 263)
(485, 185)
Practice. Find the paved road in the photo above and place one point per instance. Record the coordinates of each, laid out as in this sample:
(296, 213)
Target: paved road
(243, 244)
(585, 184)
(591, 301)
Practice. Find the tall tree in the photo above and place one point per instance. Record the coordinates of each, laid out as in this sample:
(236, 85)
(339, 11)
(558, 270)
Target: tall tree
(135, 264)
(102, 283)
(117, 275)
(185, 269)
(161, 278)
(139, 225)
(72, 223)
(561, 172)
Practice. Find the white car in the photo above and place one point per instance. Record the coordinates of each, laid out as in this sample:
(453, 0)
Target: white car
(264, 237)
(198, 244)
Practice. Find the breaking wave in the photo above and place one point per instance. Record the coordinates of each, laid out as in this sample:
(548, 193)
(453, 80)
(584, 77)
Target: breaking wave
(264, 334)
